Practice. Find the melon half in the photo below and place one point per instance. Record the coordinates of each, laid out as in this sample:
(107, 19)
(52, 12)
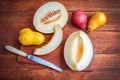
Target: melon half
(49, 15)
(78, 51)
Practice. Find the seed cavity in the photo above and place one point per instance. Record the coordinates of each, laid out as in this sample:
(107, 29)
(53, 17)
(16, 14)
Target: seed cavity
(77, 50)
(51, 16)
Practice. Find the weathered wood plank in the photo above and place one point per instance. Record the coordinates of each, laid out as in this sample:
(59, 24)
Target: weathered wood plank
(106, 42)
(94, 5)
(71, 5)
(101, 62)
(51, 75)
(48, 75)
(8, 39)
(24, 5)
(106, 67)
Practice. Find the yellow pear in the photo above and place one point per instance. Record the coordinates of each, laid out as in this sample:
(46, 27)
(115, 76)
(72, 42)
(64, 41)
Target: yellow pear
(98, 19)
(29, 37)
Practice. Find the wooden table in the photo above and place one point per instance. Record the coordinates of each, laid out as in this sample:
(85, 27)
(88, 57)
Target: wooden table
(17, 14)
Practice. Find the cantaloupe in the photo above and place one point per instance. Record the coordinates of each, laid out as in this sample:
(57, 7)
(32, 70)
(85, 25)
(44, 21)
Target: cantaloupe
(49, 15)
(78, 51)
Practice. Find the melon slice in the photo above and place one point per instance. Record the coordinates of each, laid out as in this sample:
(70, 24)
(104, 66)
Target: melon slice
(49, 15)
(78, 51)
(52, 44)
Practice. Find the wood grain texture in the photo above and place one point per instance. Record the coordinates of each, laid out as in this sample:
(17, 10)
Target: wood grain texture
(100, 62)
(17, 14)
(71, 5)
(106, 67)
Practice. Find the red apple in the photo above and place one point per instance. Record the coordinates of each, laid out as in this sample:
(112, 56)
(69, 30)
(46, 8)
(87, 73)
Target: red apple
(79, 19)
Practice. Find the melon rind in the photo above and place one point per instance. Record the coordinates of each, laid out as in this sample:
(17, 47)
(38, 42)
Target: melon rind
(52, 44)
(87, 53)
(50, 6)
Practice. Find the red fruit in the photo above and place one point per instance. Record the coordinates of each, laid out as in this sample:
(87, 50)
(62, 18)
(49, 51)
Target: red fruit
(79, 19)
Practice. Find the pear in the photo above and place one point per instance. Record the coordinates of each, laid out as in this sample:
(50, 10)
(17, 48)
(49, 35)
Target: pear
(52, 44)
(78, 51)
(29, 37)
(79, 19)
(49, 15)
(98, 19)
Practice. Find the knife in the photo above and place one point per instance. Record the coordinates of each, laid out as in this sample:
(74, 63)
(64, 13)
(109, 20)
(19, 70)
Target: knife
(33, 58)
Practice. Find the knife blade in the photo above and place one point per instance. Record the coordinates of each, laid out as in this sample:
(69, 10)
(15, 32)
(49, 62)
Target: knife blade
(33, 58)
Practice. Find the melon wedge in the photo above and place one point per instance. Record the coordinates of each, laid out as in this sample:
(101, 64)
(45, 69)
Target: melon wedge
(78, 51)
(52, 44)
(49, 15)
